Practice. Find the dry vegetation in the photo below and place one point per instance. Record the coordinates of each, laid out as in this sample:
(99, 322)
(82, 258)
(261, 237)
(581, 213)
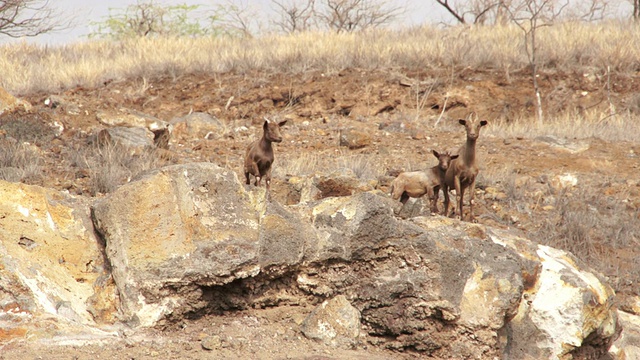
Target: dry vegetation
(596, 226)
(577, 47)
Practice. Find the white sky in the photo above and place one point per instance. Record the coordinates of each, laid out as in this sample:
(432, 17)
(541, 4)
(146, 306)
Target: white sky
(84, 12)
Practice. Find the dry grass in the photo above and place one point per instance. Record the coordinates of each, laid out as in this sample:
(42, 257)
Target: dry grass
(28, 68)
(365, 167)
(112, 165)
(20, 162)
(616, 127)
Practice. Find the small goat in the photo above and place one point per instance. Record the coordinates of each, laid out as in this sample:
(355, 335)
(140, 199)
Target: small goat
(463, 171)
(417, 183)
(259, 155)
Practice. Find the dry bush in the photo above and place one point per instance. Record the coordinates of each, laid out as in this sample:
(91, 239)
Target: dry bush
(594, 227)
(26, 68)
(112, 165)
(309, 164)
(365, 167)
(20, 162)
(27, 127)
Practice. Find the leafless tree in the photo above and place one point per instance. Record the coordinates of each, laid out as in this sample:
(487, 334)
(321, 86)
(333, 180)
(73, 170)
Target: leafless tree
(476, 11)
(20, 18)
(636, 9)
(237, 17)
(488, 12)
(530, 16)
(351, 15)
(295, 15)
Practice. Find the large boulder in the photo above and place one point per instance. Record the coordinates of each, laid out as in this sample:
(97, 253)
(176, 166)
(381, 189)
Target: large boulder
(52, 267)
(187, 226)
(189, 237)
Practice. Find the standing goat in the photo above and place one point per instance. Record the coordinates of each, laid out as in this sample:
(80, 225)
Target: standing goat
(417, 183)
(463, 171)
(259, 155)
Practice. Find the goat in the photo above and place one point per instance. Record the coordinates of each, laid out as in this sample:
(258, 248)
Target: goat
(259, 155)
(417, 183)
(463, 171)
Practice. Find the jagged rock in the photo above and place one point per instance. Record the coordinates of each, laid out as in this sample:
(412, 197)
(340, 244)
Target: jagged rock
(354, 138)
(9, 103)
(136, 138)
(187, 226)
(334, 322)
(52, 268)
(190, 237)
(131, 118)
(197, 125)
(627, 345)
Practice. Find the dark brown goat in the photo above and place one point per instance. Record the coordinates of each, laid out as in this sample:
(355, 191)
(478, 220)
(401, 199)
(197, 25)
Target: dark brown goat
(259, 155)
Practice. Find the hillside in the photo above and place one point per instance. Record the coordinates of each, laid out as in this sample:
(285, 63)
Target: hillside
(571, 182)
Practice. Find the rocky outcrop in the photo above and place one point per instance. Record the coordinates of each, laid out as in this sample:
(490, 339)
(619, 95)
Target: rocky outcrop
(191, 238)
(52, 268)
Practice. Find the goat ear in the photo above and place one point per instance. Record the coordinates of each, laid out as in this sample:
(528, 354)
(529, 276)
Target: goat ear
(462, 121)
(282, 122)
(483, 122)
(453, 157)
(266, 124)
(435, 153)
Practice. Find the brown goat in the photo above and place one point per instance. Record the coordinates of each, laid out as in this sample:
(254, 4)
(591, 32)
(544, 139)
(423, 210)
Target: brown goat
(417, 183)
(259, 155)
(463, 171)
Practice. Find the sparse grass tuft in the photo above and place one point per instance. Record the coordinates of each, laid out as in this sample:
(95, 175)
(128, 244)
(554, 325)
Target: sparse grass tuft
(110, 166)
(19, 162)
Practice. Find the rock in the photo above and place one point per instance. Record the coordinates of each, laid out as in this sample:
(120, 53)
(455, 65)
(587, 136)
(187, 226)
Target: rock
(211, 343)
(190, 237)
(560, 182)
(131, 137)
(130, 118)
(188, 226)
(52, 269)
(9, 103)
(562, 309)
(197, 125)
(334, 322)
(354, 139)
(627, 345)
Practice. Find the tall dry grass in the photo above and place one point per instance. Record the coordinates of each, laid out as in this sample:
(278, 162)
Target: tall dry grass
(27, 68)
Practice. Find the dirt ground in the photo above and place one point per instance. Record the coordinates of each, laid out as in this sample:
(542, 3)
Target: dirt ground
(398, 108)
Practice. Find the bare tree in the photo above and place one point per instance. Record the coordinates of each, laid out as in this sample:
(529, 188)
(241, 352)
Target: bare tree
(475, 11)
(530, 16)
(636, 9)
(293, 16)
(20, 18)
(351, 15)
(236, 17)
